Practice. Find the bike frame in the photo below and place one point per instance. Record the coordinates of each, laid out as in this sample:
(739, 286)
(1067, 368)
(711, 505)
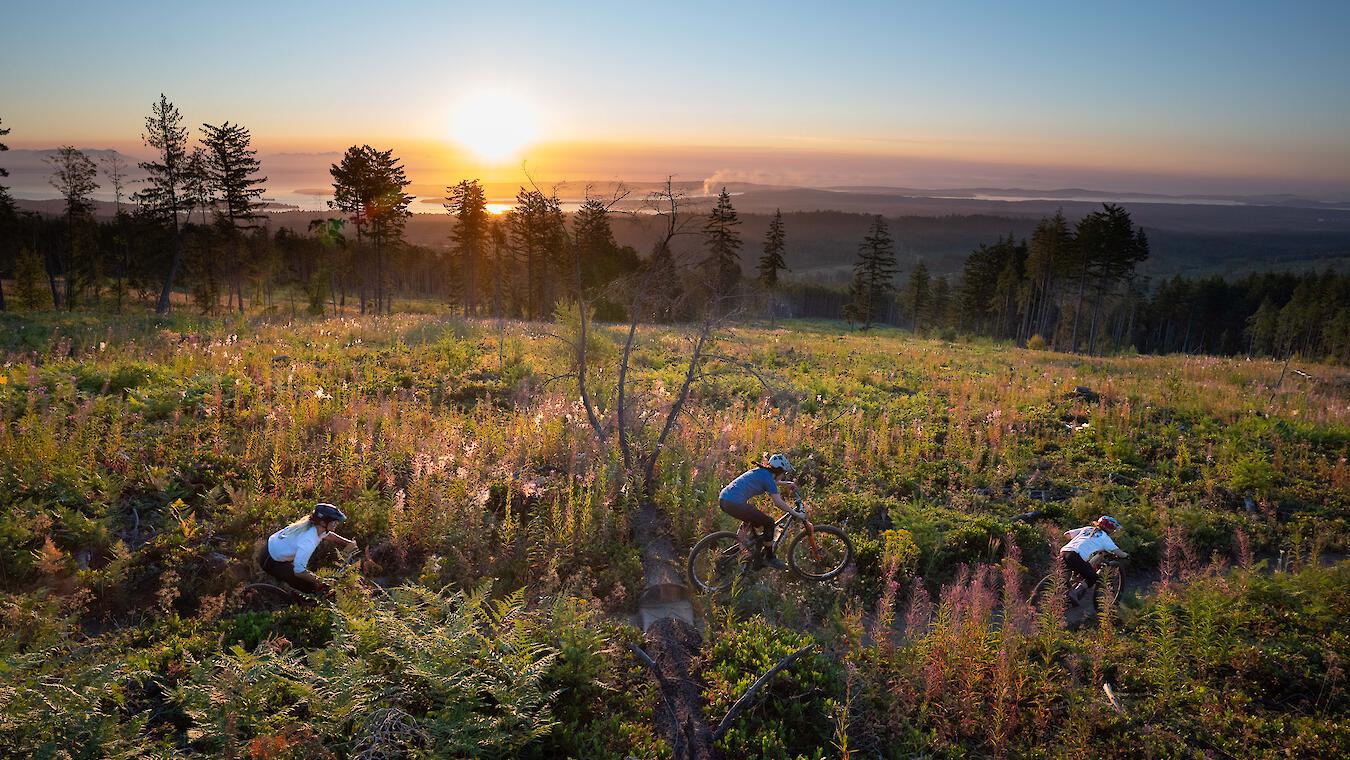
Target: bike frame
(784, 526)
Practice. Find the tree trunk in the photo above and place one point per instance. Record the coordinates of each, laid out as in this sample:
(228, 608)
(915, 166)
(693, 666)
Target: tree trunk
(51, 282)
(162, 306)
(1078, 309)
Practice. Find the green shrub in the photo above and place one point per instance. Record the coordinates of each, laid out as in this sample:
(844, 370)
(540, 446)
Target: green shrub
(793, 711)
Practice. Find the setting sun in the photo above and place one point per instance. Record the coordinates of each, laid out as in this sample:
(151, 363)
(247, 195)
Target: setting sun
(494, 125)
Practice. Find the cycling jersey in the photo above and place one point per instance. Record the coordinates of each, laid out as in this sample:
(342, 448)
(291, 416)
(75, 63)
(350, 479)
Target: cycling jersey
(295, 544)
(1088, 541)
(750, 484)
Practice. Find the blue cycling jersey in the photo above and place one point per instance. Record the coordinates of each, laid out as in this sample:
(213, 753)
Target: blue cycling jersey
(750, 484)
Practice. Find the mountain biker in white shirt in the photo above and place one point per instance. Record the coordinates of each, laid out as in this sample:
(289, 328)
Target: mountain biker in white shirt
(286, 555)
(1083, 544)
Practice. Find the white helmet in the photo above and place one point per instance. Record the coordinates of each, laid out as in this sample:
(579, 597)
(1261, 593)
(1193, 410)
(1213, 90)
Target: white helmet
(780, 462)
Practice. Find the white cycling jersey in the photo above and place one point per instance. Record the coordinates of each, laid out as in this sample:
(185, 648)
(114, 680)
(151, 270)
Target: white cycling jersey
(295, 543)
(1088, 541)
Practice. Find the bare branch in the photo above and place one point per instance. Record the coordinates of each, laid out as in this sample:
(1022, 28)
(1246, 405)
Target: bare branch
(646, 659)
(749, 694)
(650, 470)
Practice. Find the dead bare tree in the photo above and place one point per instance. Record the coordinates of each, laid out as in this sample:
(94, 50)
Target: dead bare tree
(671, 640)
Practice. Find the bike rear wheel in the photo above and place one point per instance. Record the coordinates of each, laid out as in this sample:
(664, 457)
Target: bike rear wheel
(821, 555)
(715, 561)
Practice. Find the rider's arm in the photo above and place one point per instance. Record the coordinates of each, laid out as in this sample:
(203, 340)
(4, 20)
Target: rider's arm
(335, 538)
(1111, 548)
(783, 505)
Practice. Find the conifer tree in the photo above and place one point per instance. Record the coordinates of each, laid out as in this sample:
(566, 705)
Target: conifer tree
(942, 303)
(667, 294)
(1109, 247)
(537, 236)
(7, 216)
(163, 196)
(74, 175)
(197, 190)
(771, 263)
(1050, 254)
(723, 262)
(598, 259)
(918, 297)
(369, 185)
(28, 275)
(231, 169)
(467, 203)
(6, 202)
(873, 276)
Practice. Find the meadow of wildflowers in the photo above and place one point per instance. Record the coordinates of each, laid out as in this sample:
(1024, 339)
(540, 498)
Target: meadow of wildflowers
(140, 460)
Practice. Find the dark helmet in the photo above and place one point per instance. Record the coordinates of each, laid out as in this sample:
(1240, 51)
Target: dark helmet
(328, 513)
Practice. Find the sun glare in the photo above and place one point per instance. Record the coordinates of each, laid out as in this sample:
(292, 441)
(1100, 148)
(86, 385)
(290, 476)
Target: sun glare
(494, 125)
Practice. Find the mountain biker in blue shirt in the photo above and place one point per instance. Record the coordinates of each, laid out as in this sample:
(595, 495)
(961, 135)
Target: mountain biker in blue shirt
(760, 480)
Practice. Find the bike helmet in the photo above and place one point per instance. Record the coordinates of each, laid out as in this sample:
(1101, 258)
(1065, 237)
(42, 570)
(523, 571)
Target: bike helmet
(780, 462)
(1105, 520)
(328, 513)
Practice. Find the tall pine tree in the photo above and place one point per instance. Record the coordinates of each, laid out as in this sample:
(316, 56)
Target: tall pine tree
(771, 263)
(75, 176)
(598, 259)
(1109, 248)
(369, 185)
(873, 276)
(722, 265)
(467, 203)
(232, 170)
(163, 195)
(6, 202)
(7, 218)
(1051, 253)
(537, 235)
(918, 297)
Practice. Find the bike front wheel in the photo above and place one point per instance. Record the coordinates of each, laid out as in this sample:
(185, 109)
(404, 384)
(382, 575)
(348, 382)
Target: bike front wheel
(1108, 591)
(715, 560)
(822, 554)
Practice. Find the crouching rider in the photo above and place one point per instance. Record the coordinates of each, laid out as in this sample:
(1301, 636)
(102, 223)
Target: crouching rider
(286, 555)
(1084, 545)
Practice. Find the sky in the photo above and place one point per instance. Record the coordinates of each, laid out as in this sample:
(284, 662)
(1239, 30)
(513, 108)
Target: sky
(1194, 97)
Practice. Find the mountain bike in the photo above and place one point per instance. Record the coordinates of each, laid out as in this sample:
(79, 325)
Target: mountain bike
(266, 594)
(1107, 590)
(814, 552)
